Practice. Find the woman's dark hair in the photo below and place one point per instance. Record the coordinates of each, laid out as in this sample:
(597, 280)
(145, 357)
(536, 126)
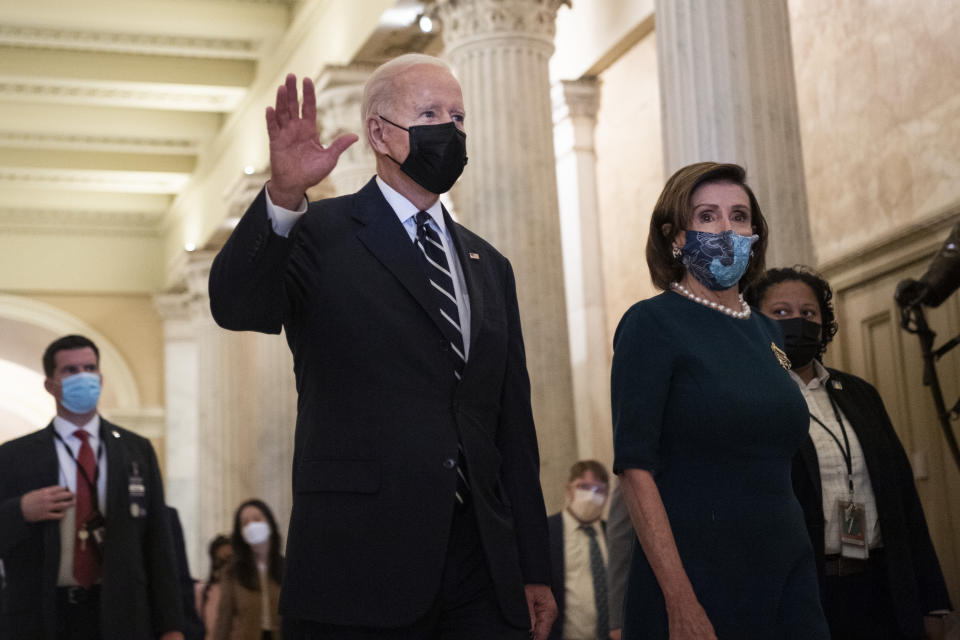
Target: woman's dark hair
(672, 214)
(244, 564)
(821, 289)
(212, 549)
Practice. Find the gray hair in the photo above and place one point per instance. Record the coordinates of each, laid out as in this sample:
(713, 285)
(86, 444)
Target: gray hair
(379, 89)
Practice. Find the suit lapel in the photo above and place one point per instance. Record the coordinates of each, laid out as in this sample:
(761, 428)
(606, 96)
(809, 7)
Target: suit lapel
(385, 237)
(471, 275)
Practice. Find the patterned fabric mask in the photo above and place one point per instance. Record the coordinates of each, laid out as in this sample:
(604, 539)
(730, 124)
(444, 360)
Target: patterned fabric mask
(717, 260)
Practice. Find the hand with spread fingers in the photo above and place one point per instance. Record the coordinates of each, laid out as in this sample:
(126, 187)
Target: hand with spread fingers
(48, 503)
(297, 159)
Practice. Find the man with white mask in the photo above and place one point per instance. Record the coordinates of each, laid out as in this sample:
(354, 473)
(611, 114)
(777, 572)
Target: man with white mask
(578, 553)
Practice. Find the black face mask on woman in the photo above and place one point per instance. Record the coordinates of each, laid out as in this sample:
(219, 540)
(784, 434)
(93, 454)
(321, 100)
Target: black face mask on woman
(438, 154)
(801, 340)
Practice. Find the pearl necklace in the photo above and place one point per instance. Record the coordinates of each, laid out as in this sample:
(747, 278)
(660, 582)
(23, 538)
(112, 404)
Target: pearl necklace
(740, 315)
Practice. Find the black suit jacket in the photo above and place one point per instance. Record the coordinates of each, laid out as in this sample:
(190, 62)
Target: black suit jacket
(139, 595)
(380, 412)
(913, 573)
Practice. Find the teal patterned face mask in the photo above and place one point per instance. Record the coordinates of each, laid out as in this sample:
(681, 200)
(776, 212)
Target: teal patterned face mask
(717, 260)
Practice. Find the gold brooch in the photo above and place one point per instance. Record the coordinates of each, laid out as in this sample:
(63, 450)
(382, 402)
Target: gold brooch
(781, 356)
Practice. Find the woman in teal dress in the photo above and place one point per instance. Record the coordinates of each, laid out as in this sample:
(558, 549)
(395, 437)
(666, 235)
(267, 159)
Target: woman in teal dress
(706, 422)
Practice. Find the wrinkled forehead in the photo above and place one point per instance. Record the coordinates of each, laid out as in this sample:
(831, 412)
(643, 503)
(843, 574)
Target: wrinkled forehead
(426, 83)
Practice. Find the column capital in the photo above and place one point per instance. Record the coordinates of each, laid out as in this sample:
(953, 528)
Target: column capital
(576, 98)
(468, 21)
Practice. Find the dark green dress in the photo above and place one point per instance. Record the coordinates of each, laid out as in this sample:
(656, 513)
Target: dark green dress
(701, 401)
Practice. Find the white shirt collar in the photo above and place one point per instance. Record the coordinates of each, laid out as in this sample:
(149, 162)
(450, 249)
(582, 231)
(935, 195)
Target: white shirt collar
(820, 377)
(406, 209)
(65, 428)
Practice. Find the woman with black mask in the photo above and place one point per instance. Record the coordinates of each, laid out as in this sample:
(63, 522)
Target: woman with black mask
(879, 573)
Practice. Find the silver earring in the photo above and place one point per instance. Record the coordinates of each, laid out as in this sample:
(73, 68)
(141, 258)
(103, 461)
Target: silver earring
(676, 252)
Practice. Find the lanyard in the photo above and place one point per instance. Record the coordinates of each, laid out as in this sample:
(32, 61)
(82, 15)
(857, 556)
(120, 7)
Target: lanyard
(845, 450)
(92, 485)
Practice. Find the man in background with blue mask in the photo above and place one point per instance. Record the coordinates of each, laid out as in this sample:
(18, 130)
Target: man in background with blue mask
(417, 507)
(84, 535)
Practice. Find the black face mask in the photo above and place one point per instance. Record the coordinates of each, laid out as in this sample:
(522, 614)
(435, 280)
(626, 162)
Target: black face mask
(438, 154)
(801, 340)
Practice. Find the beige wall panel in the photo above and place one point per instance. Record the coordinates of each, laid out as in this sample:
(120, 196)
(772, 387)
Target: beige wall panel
(629, 174)
(133, 327)
(879, 100)
(80, 263)
(877, 349)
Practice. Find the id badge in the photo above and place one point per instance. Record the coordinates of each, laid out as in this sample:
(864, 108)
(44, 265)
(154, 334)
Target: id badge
(853, 529)
(138, 493)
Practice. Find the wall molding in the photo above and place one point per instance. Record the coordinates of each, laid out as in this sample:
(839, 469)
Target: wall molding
(890, 251)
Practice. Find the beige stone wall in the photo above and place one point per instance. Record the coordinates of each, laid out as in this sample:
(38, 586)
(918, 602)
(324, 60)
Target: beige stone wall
(629, 174)
(879, 100)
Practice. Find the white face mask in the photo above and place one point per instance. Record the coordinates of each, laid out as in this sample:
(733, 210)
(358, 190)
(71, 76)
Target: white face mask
(256, 532)
(587, 505)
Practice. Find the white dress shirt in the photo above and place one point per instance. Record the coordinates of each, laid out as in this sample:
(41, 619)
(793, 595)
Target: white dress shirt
(68, 478)
(833, 467)
(282, 221)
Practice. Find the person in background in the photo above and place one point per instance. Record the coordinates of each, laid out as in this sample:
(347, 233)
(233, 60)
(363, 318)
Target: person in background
(578, 554)
(706, 423)
(84, 535)
(193, 628)
(207, 592)
(250, 587)
(878, 570)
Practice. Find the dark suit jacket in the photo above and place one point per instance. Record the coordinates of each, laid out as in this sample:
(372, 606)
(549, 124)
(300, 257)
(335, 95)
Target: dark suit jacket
(193, 628)
(380, 411)
(913, 573)
(139, 595)
(558, 571)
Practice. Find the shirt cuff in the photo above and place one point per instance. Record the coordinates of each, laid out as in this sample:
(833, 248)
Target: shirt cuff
(282, 220)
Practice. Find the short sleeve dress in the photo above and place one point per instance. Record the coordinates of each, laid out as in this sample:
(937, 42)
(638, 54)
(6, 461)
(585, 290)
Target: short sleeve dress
(701, 400)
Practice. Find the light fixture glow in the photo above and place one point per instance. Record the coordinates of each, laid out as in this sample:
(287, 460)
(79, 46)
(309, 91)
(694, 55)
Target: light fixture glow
(190, 246)
(248, 170)
(426, 24)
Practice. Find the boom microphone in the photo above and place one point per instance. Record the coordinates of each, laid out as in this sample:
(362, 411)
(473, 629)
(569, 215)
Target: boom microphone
(941, 279)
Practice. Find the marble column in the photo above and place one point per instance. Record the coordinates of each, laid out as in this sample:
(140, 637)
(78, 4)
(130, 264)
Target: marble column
(508, 193)
(339, 99)
(231, 412)
(575, 117)
(727, 94)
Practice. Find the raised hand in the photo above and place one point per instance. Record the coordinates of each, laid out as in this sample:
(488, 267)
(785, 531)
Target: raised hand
(297, 159)
(48, 503)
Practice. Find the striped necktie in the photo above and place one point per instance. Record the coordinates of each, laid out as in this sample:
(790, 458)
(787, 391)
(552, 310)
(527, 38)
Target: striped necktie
(440, 276)
(598, 571)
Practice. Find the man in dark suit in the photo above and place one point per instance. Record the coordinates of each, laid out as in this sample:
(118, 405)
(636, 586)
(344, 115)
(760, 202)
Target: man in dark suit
(417, 506)
(578, 555)
(84, 536)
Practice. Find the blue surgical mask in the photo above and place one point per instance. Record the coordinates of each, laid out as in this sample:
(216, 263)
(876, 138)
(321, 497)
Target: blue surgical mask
(717, 260)
(81, 392)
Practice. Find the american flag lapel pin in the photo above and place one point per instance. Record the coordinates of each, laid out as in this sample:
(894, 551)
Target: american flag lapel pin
(473, 256)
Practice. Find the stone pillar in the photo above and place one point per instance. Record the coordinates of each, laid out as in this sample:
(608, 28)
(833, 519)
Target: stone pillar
(508, 193)
(727, 94)
(339, 98)
(575, 118)
(231, 412)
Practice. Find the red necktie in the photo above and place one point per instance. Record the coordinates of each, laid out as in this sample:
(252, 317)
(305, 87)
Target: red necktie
(86, 563)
